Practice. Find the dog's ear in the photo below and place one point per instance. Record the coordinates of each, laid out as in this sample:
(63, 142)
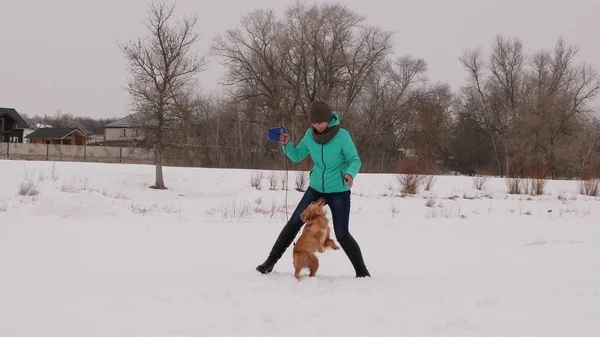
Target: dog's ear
(303, 215)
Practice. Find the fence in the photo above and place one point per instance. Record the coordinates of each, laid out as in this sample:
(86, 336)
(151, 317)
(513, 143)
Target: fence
(80, 153)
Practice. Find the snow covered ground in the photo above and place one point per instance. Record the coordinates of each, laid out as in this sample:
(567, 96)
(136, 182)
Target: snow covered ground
(99, 253)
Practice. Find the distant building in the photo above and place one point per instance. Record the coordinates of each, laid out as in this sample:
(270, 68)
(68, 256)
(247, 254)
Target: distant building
(33, 127)
(12, 126)
(124, 129)
(62, 136)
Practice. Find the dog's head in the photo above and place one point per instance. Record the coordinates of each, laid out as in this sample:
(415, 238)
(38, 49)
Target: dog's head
(314, 210)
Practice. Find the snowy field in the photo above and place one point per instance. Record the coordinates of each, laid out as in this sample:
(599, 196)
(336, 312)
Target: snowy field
(97, 253)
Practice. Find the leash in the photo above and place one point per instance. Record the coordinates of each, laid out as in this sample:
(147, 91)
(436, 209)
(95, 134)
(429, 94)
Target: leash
(287, 182)
(271, 131)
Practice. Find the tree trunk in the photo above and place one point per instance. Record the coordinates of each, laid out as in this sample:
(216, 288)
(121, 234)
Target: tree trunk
(159, 151)
(497, 153)
(159, 182)
(507, 161)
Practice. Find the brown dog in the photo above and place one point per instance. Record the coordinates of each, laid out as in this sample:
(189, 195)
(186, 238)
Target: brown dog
(315, 237)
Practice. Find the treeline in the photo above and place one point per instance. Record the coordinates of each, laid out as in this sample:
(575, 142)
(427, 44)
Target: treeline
(88, 125)
(517, 114)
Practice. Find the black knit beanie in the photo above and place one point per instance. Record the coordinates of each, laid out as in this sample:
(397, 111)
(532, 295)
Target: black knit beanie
(319, 112)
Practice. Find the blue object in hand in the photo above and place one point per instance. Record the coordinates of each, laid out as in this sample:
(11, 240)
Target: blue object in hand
(274, 133)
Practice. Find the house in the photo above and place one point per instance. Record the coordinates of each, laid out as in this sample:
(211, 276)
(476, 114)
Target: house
(125, 129)
(33, 126)
(12, 126)
(63, 136)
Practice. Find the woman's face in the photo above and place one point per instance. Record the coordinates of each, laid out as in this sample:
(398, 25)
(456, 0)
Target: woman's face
(320, 126)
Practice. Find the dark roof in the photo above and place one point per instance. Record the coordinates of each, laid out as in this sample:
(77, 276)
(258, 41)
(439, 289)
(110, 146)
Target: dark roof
(76, 124)
(54, 133)
(127, 122)
(21, 123)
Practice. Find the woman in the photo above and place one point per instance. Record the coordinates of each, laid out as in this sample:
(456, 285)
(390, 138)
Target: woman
(336, 163)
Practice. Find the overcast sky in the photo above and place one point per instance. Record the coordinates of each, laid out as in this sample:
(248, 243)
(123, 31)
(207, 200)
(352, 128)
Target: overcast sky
(64, 54)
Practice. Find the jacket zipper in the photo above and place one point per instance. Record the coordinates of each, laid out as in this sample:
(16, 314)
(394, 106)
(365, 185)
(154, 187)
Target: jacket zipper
(324, 166)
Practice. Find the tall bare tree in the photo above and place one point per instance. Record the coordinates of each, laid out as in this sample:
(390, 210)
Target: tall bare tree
(560, 93)
(162, 67)
(430, 135)
(276, 67)
(530, 106)
(492, 93)
(386, 111)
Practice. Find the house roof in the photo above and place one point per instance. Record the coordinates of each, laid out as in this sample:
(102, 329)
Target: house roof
(126, 122)
(54, 133)
(76, 124)
(21, 123)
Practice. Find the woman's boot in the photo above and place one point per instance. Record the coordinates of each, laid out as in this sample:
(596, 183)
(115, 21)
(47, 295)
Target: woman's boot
(352, 250)
(285, 238)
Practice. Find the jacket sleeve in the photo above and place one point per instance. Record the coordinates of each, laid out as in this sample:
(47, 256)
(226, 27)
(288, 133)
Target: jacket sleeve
(351, 155)
(296, 153)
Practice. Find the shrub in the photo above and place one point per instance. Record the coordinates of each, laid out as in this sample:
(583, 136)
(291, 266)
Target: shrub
(411, 174)
(590, 182)
(536, 186)
(428, 182)
(255, 179)
(28, 188)
(590, 187)
(479, 182)
(515, 185)
(301, 181)
(273, 181)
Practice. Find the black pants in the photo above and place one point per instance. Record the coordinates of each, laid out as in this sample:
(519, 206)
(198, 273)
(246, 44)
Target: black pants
(339, 204)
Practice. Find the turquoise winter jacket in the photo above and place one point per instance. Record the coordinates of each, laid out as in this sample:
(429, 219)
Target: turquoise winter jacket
(331, 160)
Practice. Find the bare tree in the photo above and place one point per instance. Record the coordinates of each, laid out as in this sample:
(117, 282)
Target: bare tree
(559, 93)
(580, 152)
(492, 94)
(472, 151)
(162, 66)
(254, 57)
(277, 67)
(432, 128)
(530, 106)
(386, 111)
(58, 120)
(334, 52)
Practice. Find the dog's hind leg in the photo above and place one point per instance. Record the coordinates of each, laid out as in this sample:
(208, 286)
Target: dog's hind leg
(300, 262)
(313, 265)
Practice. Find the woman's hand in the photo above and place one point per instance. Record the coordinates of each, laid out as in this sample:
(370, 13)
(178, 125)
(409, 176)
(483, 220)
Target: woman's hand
(284, 138)
(349, 180)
